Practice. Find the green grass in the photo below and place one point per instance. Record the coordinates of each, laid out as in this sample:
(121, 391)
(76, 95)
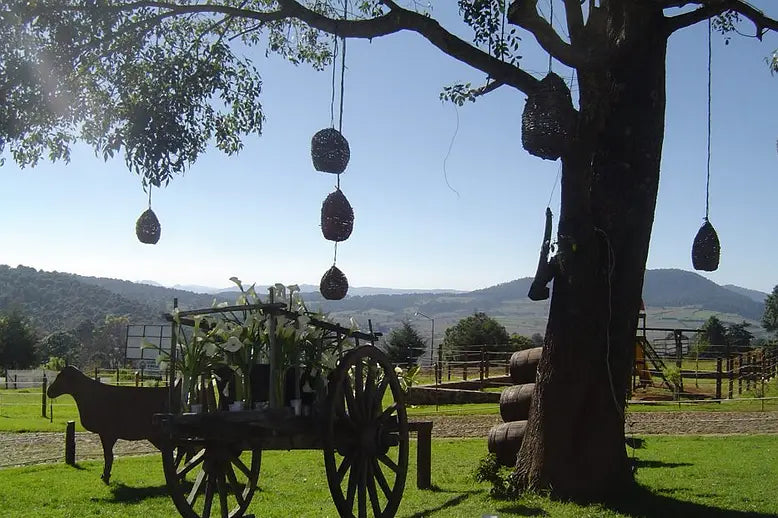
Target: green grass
(679, 476)
(20, 411)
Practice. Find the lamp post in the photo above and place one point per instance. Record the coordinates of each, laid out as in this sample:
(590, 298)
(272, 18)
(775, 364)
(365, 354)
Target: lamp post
(432, 342)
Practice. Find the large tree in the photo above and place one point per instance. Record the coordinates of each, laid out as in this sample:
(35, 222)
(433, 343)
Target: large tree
(404, 345)
(157, 80)
(770, 316)
(17, 341)
(477, 330)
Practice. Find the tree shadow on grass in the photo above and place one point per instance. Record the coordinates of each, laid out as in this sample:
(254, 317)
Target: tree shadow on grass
(640, 502)
(452, 502)
(659, 464)
(132, 495)
(523, 510)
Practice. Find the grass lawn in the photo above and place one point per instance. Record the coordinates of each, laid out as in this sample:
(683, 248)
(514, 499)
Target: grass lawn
(20, 411)
(679, 476)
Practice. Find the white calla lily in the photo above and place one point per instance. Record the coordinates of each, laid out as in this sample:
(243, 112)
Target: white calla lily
(233, 344)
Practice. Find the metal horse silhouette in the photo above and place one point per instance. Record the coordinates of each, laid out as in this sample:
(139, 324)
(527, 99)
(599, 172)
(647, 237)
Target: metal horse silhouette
(113, 412)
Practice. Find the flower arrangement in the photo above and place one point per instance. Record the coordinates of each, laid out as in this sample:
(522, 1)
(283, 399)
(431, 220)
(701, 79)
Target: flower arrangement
(237, 338)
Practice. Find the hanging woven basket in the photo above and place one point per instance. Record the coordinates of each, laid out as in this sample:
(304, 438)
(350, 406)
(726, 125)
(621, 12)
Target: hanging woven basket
(706, 249)
(548, 119)
(333, 285)
(147, 228)
(337, 217)
(330, 151)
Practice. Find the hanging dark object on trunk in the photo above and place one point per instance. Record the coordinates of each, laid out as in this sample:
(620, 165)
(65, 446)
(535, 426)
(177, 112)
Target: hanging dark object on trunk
(333, 285)
(330, 151)
(538, 290)
(706, 248)
(147, 228)
(548, 118)
(337, 217)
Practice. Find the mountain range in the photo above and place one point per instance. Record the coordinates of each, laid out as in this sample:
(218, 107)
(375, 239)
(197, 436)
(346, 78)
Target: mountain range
(673, 299)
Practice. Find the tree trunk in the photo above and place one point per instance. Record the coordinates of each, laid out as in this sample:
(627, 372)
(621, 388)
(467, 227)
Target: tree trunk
(574, 443)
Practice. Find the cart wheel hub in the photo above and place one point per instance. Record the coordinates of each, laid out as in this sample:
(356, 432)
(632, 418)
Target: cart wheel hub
(369, 440)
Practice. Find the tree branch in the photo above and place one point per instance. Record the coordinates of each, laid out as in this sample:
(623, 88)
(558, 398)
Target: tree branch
(524, 13)
(575, 23)
(398, 19)
(711, 8)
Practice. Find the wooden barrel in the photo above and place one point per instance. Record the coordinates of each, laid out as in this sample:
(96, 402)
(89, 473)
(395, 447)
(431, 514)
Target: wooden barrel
(505, 441)
(524, 365)
(514, 402)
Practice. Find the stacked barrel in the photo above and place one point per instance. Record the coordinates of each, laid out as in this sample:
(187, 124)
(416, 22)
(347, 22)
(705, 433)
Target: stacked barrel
(505, 439)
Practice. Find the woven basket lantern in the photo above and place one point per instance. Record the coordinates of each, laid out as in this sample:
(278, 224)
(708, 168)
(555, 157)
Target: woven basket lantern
(333, 285)
(329, 151)
(147, 228)
(337, 217)
(548, 118)
(706, 248)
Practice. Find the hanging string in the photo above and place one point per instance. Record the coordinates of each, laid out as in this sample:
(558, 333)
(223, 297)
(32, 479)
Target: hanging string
(149, 196)
(342, 69)
(558, 174)
(340, 110)
(551, 21)
(334, 69)
(707, 181)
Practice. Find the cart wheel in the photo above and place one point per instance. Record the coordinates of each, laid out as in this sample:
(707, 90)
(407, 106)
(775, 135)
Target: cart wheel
(210, 479)
(366, 436)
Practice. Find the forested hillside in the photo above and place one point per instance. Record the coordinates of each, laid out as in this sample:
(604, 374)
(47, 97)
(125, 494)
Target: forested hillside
(61, 301)
(56, 301)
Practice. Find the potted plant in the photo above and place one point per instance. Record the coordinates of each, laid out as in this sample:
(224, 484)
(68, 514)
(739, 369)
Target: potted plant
(196, 354)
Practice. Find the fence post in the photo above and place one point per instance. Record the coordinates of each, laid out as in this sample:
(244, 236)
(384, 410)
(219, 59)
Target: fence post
(15, 386)
(141, 374)
(481, 367)
(718, 378)
(117, 375)
(739, 361)
(448, 369)
(464, 369)
(43, 396)
(487, 365)
(97, 378)
(731, 377)
(6, 379)
(70, 443)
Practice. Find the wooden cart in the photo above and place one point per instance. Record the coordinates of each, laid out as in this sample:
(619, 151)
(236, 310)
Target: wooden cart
(212, 460)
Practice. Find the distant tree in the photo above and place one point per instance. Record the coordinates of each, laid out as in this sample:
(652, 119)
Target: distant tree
(739, 336)
(521, 342)
(537, 340)
(17, 341)
(713, 332)
(770, 316)
(404, 345)
(106, 347)
(476, 330)
(60, 344)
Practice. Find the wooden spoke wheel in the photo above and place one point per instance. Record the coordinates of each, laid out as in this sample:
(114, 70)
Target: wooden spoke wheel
(210, 478)
(366, 436)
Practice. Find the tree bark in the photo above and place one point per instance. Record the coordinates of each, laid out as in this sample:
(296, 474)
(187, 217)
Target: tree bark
(574, 443)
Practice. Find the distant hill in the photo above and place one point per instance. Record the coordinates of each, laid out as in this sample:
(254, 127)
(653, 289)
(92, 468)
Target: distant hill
(679, 288)
(308, 288)
(674, 298)
(758, 296)
(55, 301)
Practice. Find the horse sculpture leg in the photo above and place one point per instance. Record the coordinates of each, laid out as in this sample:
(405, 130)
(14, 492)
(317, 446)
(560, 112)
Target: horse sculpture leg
(108, 443)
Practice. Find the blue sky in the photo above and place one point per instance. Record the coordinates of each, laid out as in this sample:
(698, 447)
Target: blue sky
(256, 215)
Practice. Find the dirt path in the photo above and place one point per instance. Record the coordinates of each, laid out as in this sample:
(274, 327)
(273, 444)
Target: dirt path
(35, 448)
